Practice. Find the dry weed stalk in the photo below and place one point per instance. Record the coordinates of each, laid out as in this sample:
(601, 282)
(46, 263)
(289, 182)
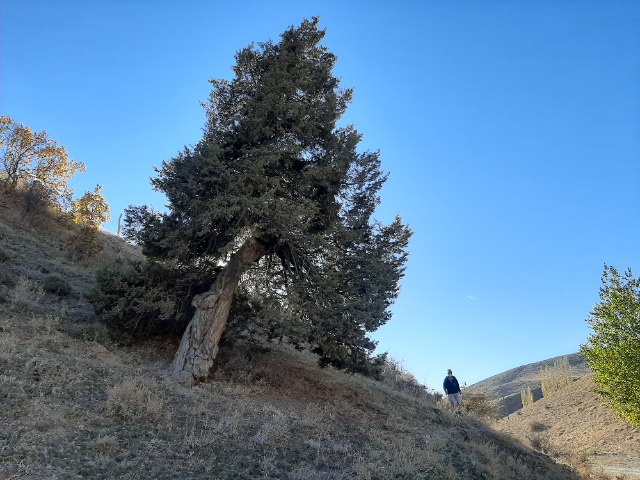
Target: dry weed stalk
(43, 324)
(26, 292)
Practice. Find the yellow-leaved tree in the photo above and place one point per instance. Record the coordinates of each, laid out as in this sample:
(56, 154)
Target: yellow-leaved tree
(91, 210)
(28, 157)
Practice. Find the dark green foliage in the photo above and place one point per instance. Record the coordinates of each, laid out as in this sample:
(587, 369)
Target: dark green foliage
(150, 297)
(613, 350)
(136, 221)
(57, 286)
(274, 165)
(144, 297)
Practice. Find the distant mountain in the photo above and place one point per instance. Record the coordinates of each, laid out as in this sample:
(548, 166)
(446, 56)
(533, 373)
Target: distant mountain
(504, 388)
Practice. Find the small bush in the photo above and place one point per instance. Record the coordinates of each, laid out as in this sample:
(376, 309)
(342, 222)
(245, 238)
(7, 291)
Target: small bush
(133, 400)
(90, 332)
(396, 375)
(36, 200)
(85, 242)
(26, 292)
(43, 323)
(56, 286)
(91, 209)
(536, 426)
(479, 405)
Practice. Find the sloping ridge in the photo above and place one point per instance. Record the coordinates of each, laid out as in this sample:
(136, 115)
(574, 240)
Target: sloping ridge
(504, 388)
(76, 404)
(574, 422)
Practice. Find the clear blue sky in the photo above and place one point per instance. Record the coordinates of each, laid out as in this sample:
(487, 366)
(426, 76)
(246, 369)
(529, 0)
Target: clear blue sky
(511, 131)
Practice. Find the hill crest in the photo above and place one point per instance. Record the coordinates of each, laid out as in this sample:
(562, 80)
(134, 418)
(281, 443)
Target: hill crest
(504, 388)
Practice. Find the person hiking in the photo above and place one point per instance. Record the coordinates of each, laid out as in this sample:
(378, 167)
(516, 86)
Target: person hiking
(452, 390)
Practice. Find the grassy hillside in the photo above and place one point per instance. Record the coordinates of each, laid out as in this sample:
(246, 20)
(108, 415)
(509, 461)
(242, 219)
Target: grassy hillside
(574, 424)
(504, 388)
(76, 404)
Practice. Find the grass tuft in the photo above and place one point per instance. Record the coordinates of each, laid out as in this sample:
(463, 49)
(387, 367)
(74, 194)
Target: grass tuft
(133, 400)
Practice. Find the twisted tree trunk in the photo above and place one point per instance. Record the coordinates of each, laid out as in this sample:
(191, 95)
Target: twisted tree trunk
(199, 346)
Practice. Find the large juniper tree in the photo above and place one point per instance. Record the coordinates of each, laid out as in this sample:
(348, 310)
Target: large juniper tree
(277, 197)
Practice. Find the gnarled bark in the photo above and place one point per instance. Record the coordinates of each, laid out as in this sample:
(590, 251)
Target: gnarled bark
(199, 346)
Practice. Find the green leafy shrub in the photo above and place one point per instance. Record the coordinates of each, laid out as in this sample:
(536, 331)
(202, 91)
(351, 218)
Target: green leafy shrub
(613, 350)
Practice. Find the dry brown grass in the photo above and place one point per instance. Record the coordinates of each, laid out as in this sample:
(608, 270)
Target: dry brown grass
(574, 426)
(73, 404)
(134, 400)
(74, 408)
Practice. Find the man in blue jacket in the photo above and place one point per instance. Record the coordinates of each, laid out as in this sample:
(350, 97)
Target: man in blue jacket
(452, 390)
